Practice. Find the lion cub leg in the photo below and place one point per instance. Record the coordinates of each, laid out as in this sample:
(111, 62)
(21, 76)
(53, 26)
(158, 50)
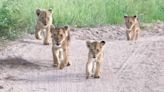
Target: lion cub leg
(65, 61)
(47, 36)
(127, 34)
(55, 57)
(97, 73)
(38, 33)
(98, 66)
(133, 35)
(89, 68)
(137, 34)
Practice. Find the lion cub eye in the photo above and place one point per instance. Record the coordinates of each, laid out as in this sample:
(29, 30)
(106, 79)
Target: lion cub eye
(42, 17)
(98, 50)
(131, 22)
(91, 49)
(54, 34)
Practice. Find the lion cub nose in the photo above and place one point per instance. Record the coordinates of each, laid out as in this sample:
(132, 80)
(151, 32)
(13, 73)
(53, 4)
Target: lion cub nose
(45, 24)
(57, 43)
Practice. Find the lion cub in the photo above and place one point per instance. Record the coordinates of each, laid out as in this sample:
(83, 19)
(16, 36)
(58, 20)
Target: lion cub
(133, 27)
(60, 46)
(44, 22)
(95, 58)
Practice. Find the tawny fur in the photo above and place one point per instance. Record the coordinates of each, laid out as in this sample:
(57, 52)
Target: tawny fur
(60, 46)
(95, 59)
(133, 27)
(43, 23)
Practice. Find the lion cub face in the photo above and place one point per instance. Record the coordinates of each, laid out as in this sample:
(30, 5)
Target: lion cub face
(44, 16)
(95, 48)
(59, 35)
(130, 20)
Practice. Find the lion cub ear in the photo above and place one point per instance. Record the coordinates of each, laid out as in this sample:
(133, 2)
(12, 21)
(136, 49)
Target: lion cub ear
(38, 12)
(88, 43)
(102, 43)
(125, 16)
(52, 28)
(50, 10)
(66, 29)
(135, 17)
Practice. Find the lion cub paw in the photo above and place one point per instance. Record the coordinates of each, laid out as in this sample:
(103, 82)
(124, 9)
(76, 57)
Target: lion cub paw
(87, 77)
(46, 43)
(62, 66)
(96, 77)
(55, 65)
(68, 64)
(38, 37)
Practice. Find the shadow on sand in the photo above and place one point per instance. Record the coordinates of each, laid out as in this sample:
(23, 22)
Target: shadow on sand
(31, 42)
(17, 62)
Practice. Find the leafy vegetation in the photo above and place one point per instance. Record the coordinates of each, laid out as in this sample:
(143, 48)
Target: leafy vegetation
(18, 16)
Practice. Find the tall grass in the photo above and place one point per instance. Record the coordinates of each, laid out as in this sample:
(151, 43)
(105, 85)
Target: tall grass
(19, 15)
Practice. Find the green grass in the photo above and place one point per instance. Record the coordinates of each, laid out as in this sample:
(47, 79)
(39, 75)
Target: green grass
(18, 16)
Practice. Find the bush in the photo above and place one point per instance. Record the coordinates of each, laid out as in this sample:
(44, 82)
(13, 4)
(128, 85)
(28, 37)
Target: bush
(11, 21)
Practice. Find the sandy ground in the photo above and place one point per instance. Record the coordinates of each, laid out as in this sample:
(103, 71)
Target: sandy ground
(26, 64)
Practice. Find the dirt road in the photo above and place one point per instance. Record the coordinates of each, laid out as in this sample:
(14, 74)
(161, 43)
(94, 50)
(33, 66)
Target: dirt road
(26, 64)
